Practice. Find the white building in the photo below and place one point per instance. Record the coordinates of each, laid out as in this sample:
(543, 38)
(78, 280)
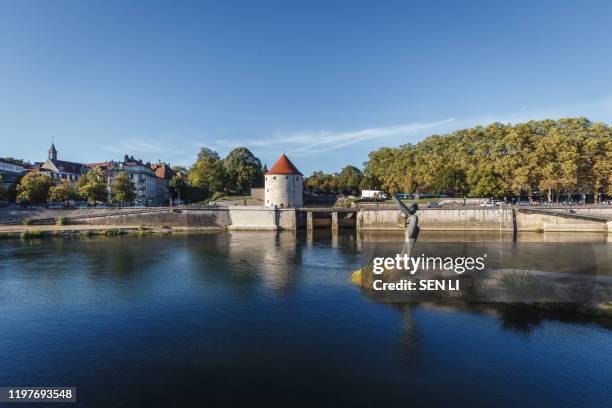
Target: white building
(284, 185)
(10, 172)
(373, 194)
(149, 189)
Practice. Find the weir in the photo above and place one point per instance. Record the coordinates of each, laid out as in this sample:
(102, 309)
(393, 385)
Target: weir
(326, 217)
(504, 219)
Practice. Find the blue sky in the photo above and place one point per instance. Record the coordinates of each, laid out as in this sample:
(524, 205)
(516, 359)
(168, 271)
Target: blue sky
(324, 81)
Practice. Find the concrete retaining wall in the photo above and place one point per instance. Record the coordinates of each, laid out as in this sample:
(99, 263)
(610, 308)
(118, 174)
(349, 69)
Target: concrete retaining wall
(287, 219)
(439, 219)
(534, 220)
(268, 218)
(193, 218)
(252, 218)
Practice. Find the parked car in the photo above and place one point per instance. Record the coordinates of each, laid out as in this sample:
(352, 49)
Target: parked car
(434, 205)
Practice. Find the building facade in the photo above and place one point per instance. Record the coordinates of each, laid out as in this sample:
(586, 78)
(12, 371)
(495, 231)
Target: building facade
(284, 185)
(10, 172)
(149, 189)
(60, 169)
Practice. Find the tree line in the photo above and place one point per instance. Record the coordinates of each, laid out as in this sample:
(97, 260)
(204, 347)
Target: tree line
(211, 176)
(549, 158)
(37, 188)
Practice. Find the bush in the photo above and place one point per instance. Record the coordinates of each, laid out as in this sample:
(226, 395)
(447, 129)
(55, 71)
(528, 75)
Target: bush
(61, 221)
(26, 221)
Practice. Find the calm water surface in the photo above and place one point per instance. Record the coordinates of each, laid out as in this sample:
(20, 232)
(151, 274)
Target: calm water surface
(240, 318)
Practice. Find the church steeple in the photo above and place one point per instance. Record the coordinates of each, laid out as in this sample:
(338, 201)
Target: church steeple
(52, 152)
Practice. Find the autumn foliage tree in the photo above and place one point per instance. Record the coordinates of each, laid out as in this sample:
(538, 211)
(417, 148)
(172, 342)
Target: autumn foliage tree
(33, 188)
(62, 192)
(551, 158)
(91, 186)
(123, 188)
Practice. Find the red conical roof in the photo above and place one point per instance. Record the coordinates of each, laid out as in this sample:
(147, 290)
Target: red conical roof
(284, 166)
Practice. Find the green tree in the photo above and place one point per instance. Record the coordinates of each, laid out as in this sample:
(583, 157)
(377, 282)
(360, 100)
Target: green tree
(178, 186)
(368, 183)
(33, 188)
(321, 182)
(349, 179)
(243, 170)
(123, 188)
(91, 186)
(206, 176)
(206, 153)
(62, 192)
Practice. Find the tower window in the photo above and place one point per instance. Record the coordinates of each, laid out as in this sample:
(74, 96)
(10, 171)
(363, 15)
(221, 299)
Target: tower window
(274, 177)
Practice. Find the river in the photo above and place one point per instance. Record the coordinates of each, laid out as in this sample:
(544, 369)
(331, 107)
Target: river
(239, 318)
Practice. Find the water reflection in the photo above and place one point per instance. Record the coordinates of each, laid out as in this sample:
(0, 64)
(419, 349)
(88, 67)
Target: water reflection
(238, 314)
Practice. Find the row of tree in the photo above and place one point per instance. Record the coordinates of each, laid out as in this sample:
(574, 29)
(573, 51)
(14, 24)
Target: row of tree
(36, 188)
(235, 174)
(551, 158)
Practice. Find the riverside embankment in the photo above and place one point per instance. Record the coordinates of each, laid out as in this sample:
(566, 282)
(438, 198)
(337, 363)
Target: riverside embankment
(384, 218)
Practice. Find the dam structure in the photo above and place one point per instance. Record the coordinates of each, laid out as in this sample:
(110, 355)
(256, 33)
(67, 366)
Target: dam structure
(240, 217)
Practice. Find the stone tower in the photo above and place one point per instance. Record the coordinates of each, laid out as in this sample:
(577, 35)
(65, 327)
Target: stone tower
(52, 152)
(284, 184)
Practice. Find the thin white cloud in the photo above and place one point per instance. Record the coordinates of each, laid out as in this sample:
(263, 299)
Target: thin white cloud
(134, 146)
(315, 142)
(599, 110)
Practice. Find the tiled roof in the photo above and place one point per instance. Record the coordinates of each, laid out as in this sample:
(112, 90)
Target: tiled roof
(283, 166)
(68, 167)
(162, 170)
